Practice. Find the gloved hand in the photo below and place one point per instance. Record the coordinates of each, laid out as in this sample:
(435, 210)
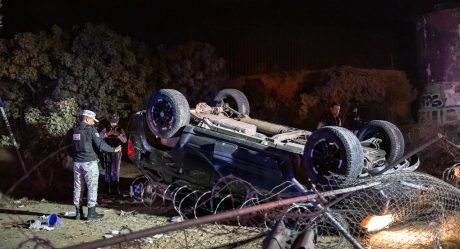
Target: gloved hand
(113, 133)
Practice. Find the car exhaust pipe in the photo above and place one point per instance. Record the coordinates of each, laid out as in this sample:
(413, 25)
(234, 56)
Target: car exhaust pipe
(266, 127)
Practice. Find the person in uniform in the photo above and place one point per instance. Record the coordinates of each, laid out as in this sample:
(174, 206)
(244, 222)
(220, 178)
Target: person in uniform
(331, 118)
(114, 136)
(82, 137)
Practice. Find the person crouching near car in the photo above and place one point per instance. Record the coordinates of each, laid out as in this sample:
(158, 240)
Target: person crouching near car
(114, 136)
(81, 138)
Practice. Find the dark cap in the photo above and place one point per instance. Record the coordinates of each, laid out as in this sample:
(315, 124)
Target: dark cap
(114, 117)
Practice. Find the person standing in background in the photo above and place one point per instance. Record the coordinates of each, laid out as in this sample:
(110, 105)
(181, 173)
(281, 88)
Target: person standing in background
(354, 121)
(331, 118)
(114, 136)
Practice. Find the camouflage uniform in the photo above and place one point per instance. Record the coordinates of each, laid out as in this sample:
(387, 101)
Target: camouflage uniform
(89, 173)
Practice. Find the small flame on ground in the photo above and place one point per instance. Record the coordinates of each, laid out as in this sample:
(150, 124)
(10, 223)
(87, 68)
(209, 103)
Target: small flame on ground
(376, 222)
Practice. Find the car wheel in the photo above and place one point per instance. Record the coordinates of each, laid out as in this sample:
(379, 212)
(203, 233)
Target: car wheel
(332, 155)
(235, 99)
(392, 138)
(167, 112)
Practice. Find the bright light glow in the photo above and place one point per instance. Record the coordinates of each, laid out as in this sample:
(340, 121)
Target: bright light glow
(418, 234)
(376, 222)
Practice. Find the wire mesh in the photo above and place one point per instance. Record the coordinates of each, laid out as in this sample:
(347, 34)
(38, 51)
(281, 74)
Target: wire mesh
(399, 210)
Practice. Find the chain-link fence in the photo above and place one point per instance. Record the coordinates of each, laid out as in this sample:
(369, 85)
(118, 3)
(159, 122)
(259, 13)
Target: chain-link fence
(402, 209)
(399, 210)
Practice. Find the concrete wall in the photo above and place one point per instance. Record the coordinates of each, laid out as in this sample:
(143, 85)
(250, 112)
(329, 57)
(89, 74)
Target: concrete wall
(438, 47)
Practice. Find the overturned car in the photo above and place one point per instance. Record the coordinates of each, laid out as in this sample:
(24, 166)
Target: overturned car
(172, 142)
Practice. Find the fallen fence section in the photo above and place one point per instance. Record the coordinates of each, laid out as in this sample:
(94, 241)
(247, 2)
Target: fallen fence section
(400, 210)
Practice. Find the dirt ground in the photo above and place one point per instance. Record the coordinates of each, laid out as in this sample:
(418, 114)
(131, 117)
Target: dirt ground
(16, 214)
(122, 214)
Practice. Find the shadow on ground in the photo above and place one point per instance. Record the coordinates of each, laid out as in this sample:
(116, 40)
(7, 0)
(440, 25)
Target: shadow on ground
(55, 184)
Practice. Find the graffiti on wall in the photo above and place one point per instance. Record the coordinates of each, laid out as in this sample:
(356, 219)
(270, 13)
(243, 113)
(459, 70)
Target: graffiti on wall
(444, 116)
(441, 103)
(438, 50)
(432, 100)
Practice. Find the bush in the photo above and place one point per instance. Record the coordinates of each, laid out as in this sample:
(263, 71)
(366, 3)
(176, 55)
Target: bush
(299, 98)
(47, 77)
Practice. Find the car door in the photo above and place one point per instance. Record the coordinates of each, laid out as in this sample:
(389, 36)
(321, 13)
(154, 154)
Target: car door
(258, 167)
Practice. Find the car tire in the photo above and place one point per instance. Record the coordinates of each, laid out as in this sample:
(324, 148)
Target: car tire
(392, 138)
(235, 99)
(167, 112)
(332, 156)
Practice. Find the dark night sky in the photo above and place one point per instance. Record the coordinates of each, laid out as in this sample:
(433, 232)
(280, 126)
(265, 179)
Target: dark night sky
(285, 34)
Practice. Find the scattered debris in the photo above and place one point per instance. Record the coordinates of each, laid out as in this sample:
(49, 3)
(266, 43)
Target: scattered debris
(153, 238)
(68, 213)
(149, 240)
(53, 220)
(111, 234)
(37, 225)
(176, 219)
(45, 222)
(107, 236)
(123, 213)
(114, 233)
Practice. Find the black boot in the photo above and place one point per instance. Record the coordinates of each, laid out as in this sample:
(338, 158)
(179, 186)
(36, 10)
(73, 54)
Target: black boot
(93, 215)
(116, 188)
(79, 215)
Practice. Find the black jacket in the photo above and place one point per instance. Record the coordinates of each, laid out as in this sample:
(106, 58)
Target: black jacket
(112, 140)
(81, 138)
(330, 120)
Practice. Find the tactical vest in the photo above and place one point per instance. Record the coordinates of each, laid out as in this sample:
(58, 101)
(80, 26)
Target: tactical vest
(82, 144)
